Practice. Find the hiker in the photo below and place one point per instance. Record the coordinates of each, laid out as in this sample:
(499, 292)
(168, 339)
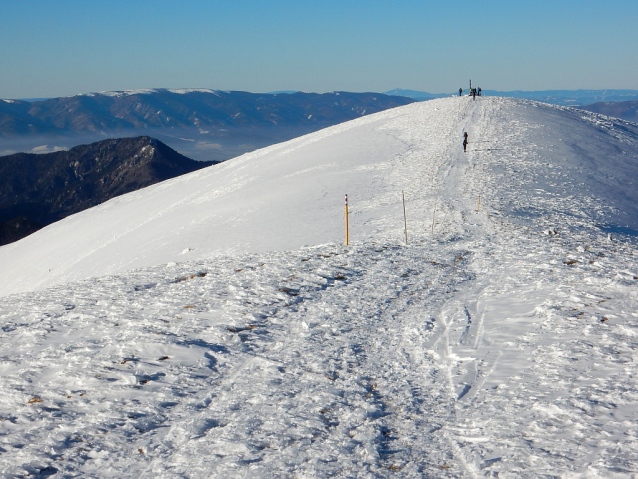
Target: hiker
(474, 94)
(479, 91)
(460, 91)
(465, 142)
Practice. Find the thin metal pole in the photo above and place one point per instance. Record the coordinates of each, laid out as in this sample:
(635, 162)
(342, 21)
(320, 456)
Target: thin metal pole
(405, 219)
(434, 214)
(347, 235)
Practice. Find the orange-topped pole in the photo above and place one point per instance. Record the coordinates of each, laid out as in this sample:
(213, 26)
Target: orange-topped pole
(347, 238)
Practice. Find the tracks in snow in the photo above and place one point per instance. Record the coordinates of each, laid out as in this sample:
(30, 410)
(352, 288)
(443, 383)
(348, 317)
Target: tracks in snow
(471, 353)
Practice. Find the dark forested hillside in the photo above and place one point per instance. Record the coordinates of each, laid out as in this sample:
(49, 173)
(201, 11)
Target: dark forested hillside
(39, 189)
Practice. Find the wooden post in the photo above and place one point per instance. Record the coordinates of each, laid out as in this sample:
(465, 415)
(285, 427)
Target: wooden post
(347, 236)
(405, 219)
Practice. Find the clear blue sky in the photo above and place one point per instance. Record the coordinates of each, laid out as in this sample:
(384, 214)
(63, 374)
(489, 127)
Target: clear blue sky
(64, 47)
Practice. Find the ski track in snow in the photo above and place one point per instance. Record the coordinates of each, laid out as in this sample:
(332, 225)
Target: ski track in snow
(488, 348)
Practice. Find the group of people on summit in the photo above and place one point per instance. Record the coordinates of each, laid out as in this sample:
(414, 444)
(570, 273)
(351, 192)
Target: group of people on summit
(474, 92)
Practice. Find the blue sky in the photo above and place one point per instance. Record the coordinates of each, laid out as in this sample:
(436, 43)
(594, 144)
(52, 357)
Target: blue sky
(64, 47)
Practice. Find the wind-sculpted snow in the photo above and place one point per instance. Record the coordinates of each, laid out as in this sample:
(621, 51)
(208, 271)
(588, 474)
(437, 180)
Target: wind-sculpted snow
(498, 343)
(513, 353)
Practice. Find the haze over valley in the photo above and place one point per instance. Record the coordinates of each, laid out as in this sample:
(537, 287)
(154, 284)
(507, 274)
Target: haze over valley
(206, 125)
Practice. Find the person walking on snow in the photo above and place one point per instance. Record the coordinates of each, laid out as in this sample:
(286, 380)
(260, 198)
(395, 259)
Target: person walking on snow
(460, 91)
(479, 91)
(465, 142)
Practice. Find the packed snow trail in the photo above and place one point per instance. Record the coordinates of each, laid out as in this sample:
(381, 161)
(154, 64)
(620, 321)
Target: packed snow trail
(502, 345)
(372, 360)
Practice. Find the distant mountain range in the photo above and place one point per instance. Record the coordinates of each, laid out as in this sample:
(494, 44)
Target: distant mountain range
(39, 189)
(205, 124)
(417, 95)
(112, 111)
(627, 110)
(213, 125)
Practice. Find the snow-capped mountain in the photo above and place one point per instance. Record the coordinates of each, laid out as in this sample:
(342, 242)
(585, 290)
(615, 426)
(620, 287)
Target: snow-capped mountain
(202, 124)
(218, 326)
(185, 108)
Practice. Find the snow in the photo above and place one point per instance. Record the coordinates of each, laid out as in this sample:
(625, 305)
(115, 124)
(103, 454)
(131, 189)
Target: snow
(47, 149)
(183, 91)
(141, 91)
(218, 326)
(148, 91)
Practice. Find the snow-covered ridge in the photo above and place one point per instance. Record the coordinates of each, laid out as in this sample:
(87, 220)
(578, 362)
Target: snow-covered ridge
(203, 340)
(530, 162)
(148, 91)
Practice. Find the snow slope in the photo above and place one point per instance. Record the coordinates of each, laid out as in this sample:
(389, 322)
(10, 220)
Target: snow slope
(526, 159)
(498, 343)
